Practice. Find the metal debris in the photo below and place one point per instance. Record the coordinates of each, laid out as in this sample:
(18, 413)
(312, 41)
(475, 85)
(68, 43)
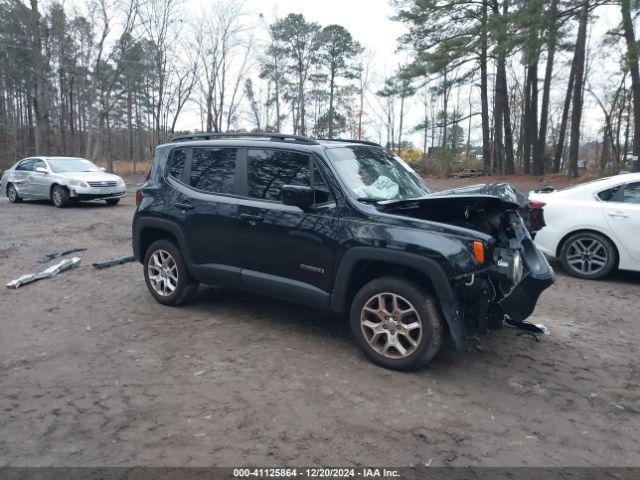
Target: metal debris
(51, 256)
(65, 264)
(113, 262)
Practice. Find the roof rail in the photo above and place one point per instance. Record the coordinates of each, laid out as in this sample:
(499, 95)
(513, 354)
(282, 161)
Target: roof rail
(274, 137)
(346, 140)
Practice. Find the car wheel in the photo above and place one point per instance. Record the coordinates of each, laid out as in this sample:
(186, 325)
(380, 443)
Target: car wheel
(396, 323)
(60, 196)
(12, 194)
(112, 201)
(588, 255)
(166, 274)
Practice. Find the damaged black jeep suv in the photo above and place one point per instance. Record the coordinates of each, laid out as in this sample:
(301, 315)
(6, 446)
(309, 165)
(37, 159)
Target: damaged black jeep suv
(340, 225)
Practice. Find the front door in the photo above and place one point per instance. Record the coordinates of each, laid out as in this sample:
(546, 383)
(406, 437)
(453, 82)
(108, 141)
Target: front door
(286, 252)
(623, 216)
(39, 184)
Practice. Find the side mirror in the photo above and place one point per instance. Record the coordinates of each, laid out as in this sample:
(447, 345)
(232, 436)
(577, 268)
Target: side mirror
(42, 170)
(298, 196)
(102, 169)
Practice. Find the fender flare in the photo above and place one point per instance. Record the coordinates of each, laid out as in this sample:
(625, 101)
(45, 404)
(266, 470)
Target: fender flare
(141, 223)
(427, 266)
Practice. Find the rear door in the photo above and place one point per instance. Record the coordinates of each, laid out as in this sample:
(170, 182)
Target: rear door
(21, 176)
(204, 203)
(286, 251)
(622, 213)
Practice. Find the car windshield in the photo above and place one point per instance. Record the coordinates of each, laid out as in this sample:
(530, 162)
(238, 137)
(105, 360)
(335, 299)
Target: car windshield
(60, 165)
(374, 174)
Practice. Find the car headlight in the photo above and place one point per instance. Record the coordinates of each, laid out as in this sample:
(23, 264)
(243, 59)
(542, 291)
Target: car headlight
(120, 182)
(78, 183)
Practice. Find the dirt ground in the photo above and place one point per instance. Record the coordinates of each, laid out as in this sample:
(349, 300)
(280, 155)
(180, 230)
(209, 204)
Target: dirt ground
(94, 372)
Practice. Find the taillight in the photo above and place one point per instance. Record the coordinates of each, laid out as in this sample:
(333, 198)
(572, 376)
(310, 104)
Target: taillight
(536, 204)
(138, 197)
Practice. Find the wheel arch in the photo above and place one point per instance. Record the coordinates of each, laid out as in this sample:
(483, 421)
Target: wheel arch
(147, 230)
(362, 264)
(566, 237)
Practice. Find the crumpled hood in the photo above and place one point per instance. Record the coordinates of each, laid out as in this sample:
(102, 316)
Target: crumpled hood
(504, 191)
(500, 196)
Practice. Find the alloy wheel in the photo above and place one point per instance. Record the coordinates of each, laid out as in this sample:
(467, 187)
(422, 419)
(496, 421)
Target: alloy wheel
(587, 256)
(12, 193)
(163, 273)
(57, 197)
(391, 325)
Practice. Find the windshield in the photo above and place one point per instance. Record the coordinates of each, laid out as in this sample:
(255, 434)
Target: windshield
(59, 165)
(374, 174)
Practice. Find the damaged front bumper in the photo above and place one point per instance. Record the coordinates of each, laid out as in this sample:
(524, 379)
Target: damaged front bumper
(521, 301)
(508, 290)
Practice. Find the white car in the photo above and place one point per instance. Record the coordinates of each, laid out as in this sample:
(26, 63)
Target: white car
(62, 180)
(594, 227)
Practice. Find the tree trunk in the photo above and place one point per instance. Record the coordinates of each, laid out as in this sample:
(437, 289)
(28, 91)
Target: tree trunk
(576, 113)
(565, 117)
(541, 145)
(632, 61)
(484, 95)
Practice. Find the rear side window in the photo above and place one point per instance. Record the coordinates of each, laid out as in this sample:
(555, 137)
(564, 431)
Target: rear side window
(177, 163)
(24, 165)
(269, 170)
(213, 169)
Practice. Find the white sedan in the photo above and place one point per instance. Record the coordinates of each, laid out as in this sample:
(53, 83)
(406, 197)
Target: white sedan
(594, 227)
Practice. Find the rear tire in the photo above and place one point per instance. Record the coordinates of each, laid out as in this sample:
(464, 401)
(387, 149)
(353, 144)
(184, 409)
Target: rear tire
(112, 201)
(12, 194)
(60, 196)
(396, 323)
(588, 255)
(166, 274)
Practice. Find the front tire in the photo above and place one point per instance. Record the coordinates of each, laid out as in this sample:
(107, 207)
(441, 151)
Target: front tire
(588, 255)
(166, 274)
(60, 196)
(112, 201)
(12, 194)
(396, 324)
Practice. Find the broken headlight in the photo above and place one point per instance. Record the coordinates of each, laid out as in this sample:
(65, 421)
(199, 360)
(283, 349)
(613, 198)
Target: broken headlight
(510, 264)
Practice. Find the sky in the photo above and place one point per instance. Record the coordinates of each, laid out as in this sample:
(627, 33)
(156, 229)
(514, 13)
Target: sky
(370, 23)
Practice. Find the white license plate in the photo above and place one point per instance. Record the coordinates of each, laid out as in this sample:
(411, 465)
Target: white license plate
(106, 190)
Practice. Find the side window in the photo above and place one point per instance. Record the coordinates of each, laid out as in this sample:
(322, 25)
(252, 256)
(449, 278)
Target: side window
(177, 162)
(321, 191)
(631, 193)
(609, 195)
(269, 170)
(24, 165)
(38, 164)
(213, 169)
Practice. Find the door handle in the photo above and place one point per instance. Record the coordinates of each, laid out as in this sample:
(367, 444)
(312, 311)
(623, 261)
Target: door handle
(183, 206)
(618, 214)
(253, 219)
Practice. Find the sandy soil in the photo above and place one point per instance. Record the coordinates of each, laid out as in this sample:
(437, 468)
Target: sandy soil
(94, 372)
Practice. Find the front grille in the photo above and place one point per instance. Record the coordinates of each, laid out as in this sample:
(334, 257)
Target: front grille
(102, 184)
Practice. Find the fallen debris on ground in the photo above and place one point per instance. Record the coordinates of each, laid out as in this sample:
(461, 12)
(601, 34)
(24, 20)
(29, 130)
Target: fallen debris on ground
(113, 262)
(53, 270)
(52, 256)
